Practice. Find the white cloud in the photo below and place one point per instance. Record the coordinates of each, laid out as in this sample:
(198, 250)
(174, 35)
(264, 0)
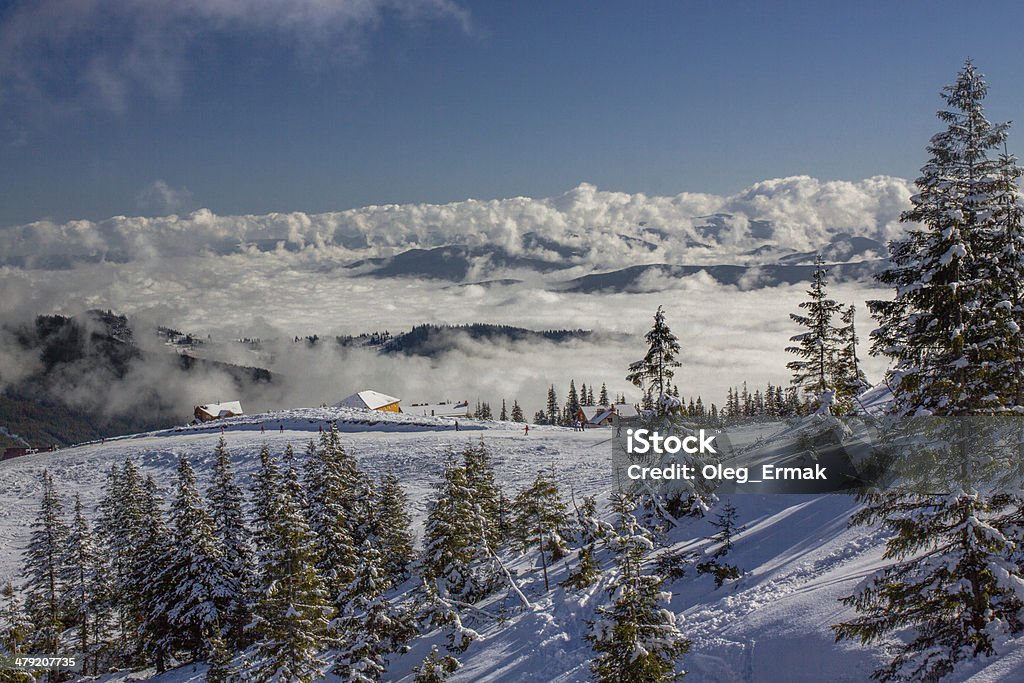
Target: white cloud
(162, 198)
(117, 47)
(606, 229)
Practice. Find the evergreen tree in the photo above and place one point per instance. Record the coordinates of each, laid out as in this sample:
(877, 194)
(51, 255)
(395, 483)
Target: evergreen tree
(373, 628)
(484, 492)
(656, 369)
(955, 582)
(540, 520)
(44, 570)
(394, 529)
(848, 379)
(198, 586)
(434, 668)
(456, 558)
(552, 413)
(723, 539)
(147, 587)
(293, 611)
(15, 628)
(603, 397)
(540, 418)
(946, 329)
(504, 414)
(571, 404)
(816, 347)
(87, 589)
(233, 542)
(634, 639)
(517, 412)
(332, 487)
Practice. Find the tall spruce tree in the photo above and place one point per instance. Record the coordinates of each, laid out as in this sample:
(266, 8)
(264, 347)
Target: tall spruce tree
(955, 583)
(943, 329)
(15, 627)
(234, 545)
(44, 570)
(197, 583)
(656, 369)
(540, 520)
(551, 413)
(146, 588)
(517, 412)
(847, 377)
(635, 640)
(394, 529)
(331, 482)
(87, 590)
(293, 611)
(602, 399)
(816, 347)
(456, 560)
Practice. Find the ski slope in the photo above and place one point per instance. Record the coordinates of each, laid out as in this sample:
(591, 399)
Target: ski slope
(772, 625)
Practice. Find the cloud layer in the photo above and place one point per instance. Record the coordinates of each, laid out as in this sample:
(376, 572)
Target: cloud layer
(583, 226)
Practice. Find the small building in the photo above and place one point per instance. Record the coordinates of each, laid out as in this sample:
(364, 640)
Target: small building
(446, 409)
(19, 451)
(371, 400)
(215, 411)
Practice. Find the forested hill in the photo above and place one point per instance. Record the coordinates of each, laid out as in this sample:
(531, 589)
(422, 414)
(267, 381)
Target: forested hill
(432, 340)
(83, 387)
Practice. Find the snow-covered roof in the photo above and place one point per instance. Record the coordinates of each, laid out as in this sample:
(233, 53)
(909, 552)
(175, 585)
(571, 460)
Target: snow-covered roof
(626, 410)
(456, 409)
(592, 412)
(367, 399)
(226, 409)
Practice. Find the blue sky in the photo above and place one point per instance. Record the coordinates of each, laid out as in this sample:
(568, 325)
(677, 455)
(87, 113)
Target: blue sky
(128, 107)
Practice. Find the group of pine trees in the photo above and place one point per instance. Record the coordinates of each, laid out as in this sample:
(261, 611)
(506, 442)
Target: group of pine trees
(294, 580)
(826, 351)
(774, 401)
(299, 570)
(566, 414)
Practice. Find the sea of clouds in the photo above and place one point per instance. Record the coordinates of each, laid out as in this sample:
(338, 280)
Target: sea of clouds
(282, 275)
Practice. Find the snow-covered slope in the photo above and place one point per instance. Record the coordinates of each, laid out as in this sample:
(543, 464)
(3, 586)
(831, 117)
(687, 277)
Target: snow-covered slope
(798, 554)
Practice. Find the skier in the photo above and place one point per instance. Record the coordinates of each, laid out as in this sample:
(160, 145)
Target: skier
(526, 430)
(263, 428)
(456, 425)
(282, 429)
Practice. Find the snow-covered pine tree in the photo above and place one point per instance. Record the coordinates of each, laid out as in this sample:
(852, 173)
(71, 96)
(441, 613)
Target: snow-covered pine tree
(848, 379)
(456, 559)
(234, 545)
(371, 626)
(602, 398)
(199, 586)
(540, 520)
(44, 570)
(591, 530)
(434, 668)
(572, 404)
(552, 414)
(117, 530)
(504, 413)
(146, 588)
(635, 640)
(15, 627)
(942, 329)
(517, 412)
(394, 529)
(723, 539)
(954, 582)
(331, 481)
(292, 612)
(540, 418)
(87, 591)
(656, 369)
(816, 346)
(484, 492)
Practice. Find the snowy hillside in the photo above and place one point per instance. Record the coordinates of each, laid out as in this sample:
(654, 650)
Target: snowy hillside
(797, 552)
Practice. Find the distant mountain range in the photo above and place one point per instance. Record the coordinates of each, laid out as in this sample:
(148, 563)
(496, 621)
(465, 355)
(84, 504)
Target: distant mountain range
(849, 258)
